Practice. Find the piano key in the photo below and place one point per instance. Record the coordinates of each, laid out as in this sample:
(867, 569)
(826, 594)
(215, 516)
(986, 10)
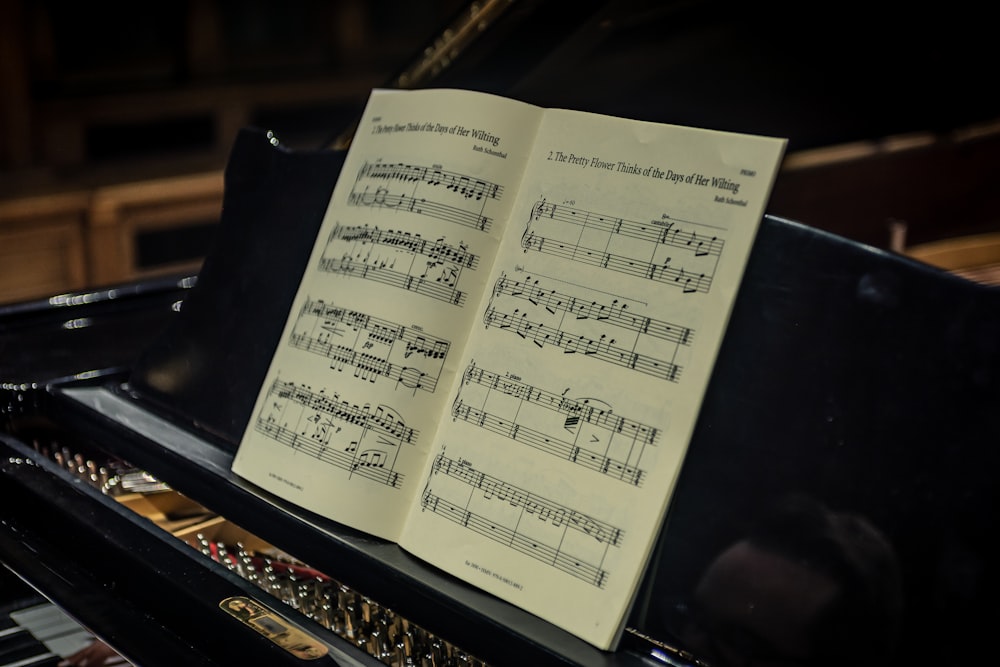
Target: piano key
(44, 634)
(43, 660)
(18, 648)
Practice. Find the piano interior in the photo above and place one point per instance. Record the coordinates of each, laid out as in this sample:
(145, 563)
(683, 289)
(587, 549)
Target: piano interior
(851, 373)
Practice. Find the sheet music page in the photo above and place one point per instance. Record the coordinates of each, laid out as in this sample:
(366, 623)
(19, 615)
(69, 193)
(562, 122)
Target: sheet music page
(587, 363)
(365, 366)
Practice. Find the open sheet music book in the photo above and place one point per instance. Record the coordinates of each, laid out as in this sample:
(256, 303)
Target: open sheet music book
(500, 344)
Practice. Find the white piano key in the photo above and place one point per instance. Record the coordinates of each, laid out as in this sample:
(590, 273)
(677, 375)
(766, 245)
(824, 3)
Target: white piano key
(54, 628)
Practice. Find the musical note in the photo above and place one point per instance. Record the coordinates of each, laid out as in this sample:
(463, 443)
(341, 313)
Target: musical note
(543, 538)
(320, 418)
(701, 250)
(466, 188)
(602, 348)
(372, 255)
(382, 349)
(633, 435)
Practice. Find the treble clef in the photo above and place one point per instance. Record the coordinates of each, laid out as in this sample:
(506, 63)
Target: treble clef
(538, 209)
(527, 240)
(501, 285)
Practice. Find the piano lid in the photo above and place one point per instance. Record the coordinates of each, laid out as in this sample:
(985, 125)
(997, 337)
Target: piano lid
(886, 124)
(854, 396)
(818, 76)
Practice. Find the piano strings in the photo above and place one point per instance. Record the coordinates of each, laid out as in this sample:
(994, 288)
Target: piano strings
(548, 531)
(604, 330)
(307, 421)
(376, 348)
(456, 198)
(374, 628)
(399, 259)
(671, 252)
(601, 440)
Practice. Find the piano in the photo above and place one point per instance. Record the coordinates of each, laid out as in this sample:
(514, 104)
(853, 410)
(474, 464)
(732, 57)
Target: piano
(854, 402)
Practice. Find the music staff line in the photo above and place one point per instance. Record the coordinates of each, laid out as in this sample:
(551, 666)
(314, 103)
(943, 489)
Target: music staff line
(572, 451)
(580, 410)
(515, 531)
(436, 251)
(669, 234)
(319, 417)
(663, 271)
(467, 186)
(369, 366)
(380, 420)
(441, 288)
(363, 465)
(614, 313)
(690, 283)
(543, 443)
(469, 190)
(602, 348)
(543, 552)
(547, 510)
(382, 198)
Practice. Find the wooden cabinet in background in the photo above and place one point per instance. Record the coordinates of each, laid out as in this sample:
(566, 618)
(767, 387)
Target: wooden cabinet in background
(140, 229)
(62, 242)
(43, 245)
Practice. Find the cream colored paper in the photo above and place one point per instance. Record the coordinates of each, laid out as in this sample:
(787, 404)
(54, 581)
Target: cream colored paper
(500, 346)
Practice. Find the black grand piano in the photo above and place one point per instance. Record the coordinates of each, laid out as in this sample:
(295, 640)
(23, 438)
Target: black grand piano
(836, 506)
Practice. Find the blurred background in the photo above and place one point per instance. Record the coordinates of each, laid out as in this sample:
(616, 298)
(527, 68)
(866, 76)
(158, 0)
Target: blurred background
(117, 117)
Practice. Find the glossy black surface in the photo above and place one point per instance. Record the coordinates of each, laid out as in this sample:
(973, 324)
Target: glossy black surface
(870, 384)
(150, 596)
(85, 331)
(859, 378)
(203, 374)
(215, 353)
(816, 75)
(196, 465)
